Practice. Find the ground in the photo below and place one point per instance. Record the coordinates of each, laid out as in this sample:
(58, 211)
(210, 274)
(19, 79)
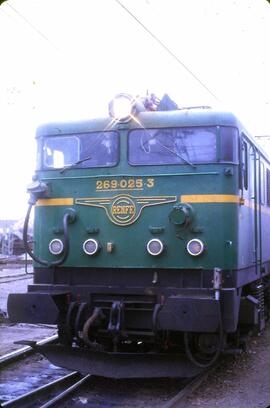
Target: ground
(238, 382)
(15, 280)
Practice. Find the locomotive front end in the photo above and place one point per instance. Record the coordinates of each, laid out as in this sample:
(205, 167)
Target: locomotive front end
(133, 259)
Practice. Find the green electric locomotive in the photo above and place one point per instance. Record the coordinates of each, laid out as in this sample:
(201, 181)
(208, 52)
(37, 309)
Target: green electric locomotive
(151, 239)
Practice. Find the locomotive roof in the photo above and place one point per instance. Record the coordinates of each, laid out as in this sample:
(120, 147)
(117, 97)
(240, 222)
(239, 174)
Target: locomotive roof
(197, 116)
(183, 117)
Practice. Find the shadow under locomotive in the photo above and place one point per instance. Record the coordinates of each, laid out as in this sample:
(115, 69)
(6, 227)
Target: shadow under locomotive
(127, 331)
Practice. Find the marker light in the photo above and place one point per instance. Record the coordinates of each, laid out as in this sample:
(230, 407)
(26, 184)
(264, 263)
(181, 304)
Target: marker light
(91, 246)
(56, 247)
(195, 247)
(121, 107)
(155, 247)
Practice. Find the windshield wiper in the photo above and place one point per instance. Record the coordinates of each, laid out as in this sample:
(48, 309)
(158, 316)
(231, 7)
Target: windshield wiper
(154, 136)
(177, 154)
(70, 166)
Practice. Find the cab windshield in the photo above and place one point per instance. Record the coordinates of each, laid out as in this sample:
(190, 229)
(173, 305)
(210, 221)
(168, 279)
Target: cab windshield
(191, 145)
(96, 149)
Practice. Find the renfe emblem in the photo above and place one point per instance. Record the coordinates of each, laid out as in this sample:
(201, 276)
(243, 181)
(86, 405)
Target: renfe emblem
(124, 209)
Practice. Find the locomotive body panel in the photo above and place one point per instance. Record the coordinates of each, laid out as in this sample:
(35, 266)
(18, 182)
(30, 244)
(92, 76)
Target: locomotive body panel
(151, 235)
(97, 218)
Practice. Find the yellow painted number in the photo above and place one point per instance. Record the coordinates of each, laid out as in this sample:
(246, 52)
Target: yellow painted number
(150, 182)
(99, 185)
(124, 184)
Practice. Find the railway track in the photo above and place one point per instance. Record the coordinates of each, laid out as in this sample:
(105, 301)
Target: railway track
(24, 351)
(39, 397)
(63, 387)
(23, 369)
(179, 400)
(14, 279)
(94, 391)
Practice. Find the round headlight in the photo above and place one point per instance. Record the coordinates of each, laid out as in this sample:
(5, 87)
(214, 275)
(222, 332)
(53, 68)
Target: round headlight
(155, 247)
(56, 247)
(91, 246)
(195, 247)
(121, 107)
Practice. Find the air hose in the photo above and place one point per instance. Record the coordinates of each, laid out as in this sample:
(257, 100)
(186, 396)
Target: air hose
(67, 217)
(209, 363)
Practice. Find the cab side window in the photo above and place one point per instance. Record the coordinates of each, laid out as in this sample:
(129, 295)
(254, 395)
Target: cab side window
(251, 171)
(245, 165)
(262, 179)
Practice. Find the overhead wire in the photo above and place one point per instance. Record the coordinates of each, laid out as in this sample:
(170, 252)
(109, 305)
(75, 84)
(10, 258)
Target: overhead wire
(166, 48)
(158, 40)
(40, 33)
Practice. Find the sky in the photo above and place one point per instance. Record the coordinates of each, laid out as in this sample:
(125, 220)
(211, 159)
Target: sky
(65, 60)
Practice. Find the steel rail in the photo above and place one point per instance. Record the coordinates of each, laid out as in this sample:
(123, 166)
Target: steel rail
(17, 354)
(17, 279)
(66, 392)
(16, 276)
(179, 400)
(22, 400)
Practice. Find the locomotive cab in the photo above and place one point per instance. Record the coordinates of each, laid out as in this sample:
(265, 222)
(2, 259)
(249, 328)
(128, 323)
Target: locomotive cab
(139, 255)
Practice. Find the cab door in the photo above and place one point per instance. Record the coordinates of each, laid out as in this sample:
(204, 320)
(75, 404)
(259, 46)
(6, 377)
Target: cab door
(256, 204)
